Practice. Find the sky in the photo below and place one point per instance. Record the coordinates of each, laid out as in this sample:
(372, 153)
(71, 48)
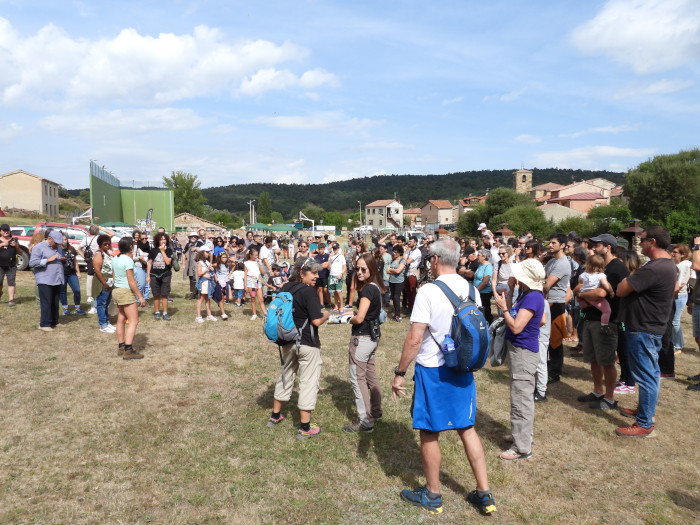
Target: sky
(315, 91)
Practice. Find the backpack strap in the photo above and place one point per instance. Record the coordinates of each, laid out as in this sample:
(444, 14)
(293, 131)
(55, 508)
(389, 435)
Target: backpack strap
(453, 298)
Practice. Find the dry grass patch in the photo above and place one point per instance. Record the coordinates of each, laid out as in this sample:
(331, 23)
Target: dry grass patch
(180, 436)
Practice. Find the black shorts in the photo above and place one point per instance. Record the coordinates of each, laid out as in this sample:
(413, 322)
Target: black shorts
(322, 282)
(160, 286)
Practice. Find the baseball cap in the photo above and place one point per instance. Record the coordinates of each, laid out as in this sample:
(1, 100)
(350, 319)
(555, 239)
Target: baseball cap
(57, 236)
(605, 238)
(481, 226)
(335, 246)
(5, 227)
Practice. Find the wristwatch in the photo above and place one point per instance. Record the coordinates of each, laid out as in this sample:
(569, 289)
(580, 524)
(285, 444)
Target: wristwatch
(398, 372)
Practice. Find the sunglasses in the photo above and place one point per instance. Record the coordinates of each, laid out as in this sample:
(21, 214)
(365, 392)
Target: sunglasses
(362, 269)
(502, 253)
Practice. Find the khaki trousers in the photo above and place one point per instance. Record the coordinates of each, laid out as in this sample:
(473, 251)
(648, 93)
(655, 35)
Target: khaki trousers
(363, 378)
(308, 365)
(523, 366)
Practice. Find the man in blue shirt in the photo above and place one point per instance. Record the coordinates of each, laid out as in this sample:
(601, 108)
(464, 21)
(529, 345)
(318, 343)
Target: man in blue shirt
(47, 260)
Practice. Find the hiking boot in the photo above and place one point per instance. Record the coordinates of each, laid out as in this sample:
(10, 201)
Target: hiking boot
(357, 426)
(420, 498)
(589, 398)
(694, 378)
(120, 351)
(635, 431)
(603, 404)
(484, 504)
(629, 412)
(540, 398)
(166, 317)
(156, 316)
(273, 422)
(314, 431)
(131, 354)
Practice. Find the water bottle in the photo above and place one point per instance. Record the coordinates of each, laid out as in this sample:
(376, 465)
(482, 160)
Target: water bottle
(448, 350)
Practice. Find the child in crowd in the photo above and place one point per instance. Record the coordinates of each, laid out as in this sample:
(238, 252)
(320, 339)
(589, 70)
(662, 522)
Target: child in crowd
(238, 279)
(591, 279)
(322, 282)
(205, 283)
(274, 282)
(253, 284)
(221, 289)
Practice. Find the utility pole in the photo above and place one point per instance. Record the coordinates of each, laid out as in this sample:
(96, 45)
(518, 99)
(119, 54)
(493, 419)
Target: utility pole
(250, 211)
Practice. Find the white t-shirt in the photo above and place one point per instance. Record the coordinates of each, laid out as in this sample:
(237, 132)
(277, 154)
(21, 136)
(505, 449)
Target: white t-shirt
(238, 280)
(337, 262)
(433, 308)
(253, 268)
(685, 269)
(267, 254)
(415, 257)
(590, 281)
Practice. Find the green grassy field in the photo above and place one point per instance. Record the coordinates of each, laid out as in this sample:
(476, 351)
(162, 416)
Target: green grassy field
(181, 436)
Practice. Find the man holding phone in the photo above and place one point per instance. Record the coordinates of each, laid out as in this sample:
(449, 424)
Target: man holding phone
(9, 248)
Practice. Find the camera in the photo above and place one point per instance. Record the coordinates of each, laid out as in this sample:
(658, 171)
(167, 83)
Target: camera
(374, 332)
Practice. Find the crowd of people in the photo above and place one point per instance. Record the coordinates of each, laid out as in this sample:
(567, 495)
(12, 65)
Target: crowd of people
(621, 304)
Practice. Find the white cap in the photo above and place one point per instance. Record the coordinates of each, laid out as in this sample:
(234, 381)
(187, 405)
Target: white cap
(204, 248)
(193, 234)
(481, 226)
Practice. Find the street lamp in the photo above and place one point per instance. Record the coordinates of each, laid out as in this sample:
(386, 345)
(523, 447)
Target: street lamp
(250, 211)
(358, 202)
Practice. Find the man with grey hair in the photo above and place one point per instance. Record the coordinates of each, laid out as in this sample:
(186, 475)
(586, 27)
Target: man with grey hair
(443, 399)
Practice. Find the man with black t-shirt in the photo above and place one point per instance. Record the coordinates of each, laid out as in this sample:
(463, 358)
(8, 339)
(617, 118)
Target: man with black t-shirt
(647, 305)
(599, 344)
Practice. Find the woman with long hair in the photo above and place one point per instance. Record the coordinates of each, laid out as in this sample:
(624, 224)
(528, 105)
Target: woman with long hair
(159, 274)
(681, 256)
(533, 249)
(483, 278)
(364, 339)
(71, 272)
(302, 358)
(125, 292)
(396, 277)
(102, 282)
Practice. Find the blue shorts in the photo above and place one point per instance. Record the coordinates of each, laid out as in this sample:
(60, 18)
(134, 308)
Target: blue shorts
(238, 294)
(443, 399)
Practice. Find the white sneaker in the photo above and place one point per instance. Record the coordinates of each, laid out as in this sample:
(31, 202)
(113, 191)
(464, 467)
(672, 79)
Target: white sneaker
(199, 319)
(90, 299)
(211, 318)
(253, 317)
(109, 329)
(224, 317)
(92, 310)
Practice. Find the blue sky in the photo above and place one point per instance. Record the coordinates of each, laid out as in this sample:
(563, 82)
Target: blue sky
(317, 91)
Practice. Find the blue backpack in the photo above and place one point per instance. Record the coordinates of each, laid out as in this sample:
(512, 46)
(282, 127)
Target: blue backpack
(469, 330)
(279, 325)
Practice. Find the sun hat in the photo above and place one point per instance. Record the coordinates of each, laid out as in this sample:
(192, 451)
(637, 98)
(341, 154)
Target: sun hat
(331, 238)
(193, 234)
(530, 272)
(204, 248)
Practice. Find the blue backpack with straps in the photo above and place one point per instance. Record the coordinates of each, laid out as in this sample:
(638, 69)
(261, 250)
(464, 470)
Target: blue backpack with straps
(469, 330)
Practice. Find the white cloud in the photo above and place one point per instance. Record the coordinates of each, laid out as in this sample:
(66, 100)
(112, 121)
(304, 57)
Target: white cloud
(603, 129)
(527, 139)
(649, 35)
(10, 130)
(52, 68)
(321, 121)
(661, 87)
(513, 95)
(590, 157)
(448, 101)
(386, 145)
(272, 79)
(124, 122)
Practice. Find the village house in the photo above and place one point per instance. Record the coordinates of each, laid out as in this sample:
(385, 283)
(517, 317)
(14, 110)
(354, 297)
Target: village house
(437, 213)
(22, 190)
(414, 215)
(384, 213)
(186, 222)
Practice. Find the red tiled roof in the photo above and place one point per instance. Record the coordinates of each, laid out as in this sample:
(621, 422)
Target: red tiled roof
(380, 203)
(548, 186)
(440, 203)
(586, 196)
(412, 211)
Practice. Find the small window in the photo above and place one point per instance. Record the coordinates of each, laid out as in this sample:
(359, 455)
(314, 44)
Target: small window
(524, 178)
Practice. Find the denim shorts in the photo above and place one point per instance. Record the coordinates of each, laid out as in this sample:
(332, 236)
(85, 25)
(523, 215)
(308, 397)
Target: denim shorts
(238, 294)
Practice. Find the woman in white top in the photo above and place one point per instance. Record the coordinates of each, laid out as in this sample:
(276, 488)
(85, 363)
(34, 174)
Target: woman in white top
(503, 272)
(253, 283)
(681, 256)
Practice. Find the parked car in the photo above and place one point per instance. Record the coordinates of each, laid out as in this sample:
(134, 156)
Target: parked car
(75, 233)
(22, 229)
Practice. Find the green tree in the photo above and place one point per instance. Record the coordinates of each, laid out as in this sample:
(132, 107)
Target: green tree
(264, 208)
(501, 200)
(521, 219)
(467, 223)
(662, 184)
(85, 196)
(63, 192)
(336, 219)
(313, 212)
(610, 219)
(276, 217)
(187, 193)
(581, 225)
(682, 225)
